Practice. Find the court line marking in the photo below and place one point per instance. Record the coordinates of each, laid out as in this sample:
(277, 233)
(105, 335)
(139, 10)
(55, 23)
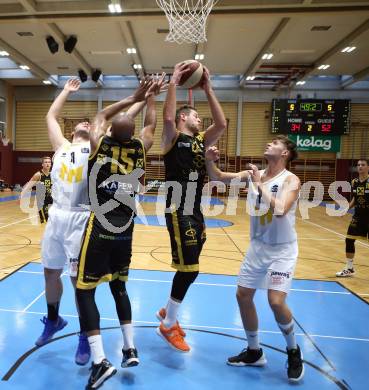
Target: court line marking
(237, 234)
(40, 295)
(211, 284)
(34, 301)
(14, 223)
(189, 326)
(332, 231)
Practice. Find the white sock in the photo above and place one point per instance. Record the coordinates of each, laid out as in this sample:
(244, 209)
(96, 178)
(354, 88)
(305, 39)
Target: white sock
(127, 330)
(253, 339)
(350, 263)
(97, 349)
(172, 312)
(288, 332)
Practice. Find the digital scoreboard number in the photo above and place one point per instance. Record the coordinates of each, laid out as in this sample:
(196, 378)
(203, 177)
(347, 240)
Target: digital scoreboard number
(311, 116)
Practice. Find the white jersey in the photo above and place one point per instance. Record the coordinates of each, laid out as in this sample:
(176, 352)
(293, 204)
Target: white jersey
(69, 175)
(266, 227)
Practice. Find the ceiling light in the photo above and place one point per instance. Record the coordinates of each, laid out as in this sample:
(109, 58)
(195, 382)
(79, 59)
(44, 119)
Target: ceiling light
(131, 50)
(348, 49)
(250, 77)
(199, 56)
(267, 56)
(300, 82)
(320, 28)
(4, 53)
(25, 33)
(24, 67)
(323, 67)
(115, 6)
(137, 66)
(47, 82)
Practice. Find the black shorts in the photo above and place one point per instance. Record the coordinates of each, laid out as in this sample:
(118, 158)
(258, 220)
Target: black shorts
(104, 256)
(359, 227)
(43, 213)
(187, 237)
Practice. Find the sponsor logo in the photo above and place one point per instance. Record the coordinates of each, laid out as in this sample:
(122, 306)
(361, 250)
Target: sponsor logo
(73, 266)
(325, 143)
(117, 186)
(282, 274)
(279, 278)
(274, 188)
(100, 159)
(360, 190)
(71, 174)
(191, 233)
(184, 144)
(314, 142)
(85, 150)
(115, 238)
(197, 147)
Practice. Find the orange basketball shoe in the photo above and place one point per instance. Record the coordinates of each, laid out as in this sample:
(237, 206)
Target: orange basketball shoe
(173, 337)
(160, 315)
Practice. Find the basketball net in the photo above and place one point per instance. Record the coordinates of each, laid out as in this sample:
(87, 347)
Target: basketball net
(5, 141)
(187, 19)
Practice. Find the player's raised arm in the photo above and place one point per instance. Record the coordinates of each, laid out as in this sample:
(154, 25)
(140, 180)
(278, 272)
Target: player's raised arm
(30, 184)
(169, 112)
(212, 155)
(147, 133)
(101, 119)
(214, 131)
(56, 136)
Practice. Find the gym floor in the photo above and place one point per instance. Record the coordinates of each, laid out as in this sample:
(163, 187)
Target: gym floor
(330, 316)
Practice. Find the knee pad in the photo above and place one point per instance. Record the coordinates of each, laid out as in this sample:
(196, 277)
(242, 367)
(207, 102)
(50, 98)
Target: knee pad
(122, 302)
(118, 288)
(181, 283)
(89, 314)
(350, 245)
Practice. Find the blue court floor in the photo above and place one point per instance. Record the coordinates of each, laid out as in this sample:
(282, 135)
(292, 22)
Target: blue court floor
(332, 330)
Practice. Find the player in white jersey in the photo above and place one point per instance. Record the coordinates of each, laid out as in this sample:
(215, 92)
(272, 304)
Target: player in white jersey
(271, 258)
(67, 216)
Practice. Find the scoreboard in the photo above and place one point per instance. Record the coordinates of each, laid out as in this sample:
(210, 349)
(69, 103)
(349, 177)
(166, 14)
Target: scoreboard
(311, 116)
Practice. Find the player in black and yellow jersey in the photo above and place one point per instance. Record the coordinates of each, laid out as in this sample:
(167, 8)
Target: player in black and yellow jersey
(116, 164)
(42, 180)
(359, 226)
(183, 146)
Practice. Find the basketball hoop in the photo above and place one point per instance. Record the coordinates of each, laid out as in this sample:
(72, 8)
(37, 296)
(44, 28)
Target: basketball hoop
(187, 19)
(5, 141)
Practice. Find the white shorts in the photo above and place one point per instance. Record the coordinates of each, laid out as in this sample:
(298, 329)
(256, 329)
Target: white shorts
(62, 239)
(268, 266)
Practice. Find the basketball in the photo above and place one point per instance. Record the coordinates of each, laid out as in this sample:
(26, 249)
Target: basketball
(194, 76)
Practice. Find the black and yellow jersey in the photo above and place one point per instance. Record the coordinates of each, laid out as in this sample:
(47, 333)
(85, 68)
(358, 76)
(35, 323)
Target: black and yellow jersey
(113, 175)
(46, 185)
(360, 192)
(185, 164)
